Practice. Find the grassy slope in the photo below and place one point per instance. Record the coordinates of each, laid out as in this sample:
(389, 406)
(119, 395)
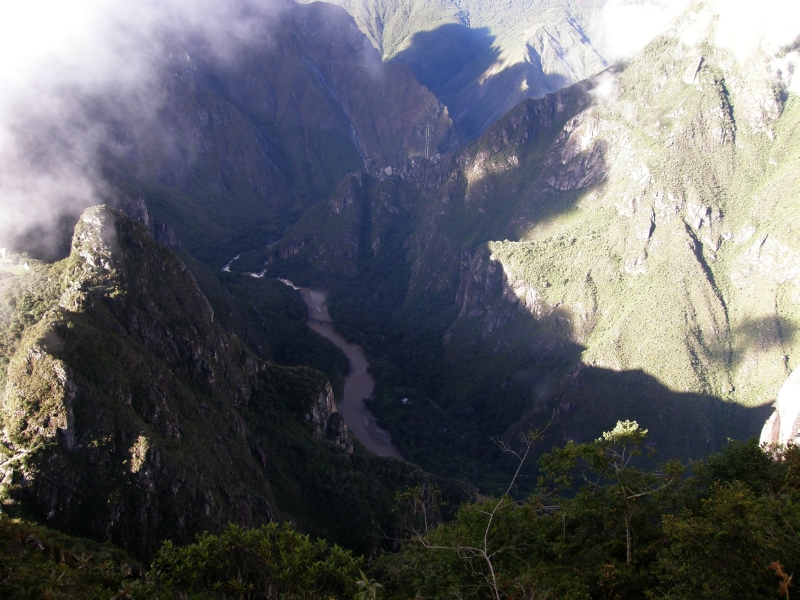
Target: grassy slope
(631, 251)
(637, 282)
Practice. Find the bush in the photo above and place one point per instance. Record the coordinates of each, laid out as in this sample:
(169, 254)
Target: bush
(272, 561)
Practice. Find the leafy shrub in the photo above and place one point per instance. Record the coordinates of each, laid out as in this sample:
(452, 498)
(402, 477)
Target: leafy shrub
(36, 562)
(272, 561)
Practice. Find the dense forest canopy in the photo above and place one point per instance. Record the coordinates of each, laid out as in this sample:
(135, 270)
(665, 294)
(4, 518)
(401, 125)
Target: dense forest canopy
(600, 525)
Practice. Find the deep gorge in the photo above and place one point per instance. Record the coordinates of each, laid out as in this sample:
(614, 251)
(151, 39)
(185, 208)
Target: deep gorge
(399, 299)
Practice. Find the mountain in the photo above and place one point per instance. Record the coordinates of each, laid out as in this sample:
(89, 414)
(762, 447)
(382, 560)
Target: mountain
(229, 146)
(623, 248)
(482, 58)
(129, 414)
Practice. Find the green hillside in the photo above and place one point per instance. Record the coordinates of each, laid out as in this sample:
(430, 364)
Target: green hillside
(620, 249)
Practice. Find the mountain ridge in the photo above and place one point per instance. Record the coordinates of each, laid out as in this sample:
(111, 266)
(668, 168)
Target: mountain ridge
(481, 59)
(129, 414)
(664, 189)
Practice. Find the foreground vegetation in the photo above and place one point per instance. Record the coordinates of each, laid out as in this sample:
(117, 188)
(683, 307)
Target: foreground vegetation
(599, 526)
(272, 561)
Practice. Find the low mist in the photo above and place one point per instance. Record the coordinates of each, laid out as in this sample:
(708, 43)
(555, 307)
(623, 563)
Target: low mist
(739, 25)
(77, 78)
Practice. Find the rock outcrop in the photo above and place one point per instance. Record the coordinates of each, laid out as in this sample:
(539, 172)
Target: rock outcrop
(125, 406)
(783, 426)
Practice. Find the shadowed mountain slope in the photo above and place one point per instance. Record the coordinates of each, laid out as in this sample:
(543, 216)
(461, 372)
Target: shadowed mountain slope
(129, 415)
(624, 248)
(228, 146)
(482, 58)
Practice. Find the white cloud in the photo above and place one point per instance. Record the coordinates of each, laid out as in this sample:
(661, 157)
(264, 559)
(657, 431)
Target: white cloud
(606, 89)
(628, 25)
(744, 25)
(55, 54)
(740, 25)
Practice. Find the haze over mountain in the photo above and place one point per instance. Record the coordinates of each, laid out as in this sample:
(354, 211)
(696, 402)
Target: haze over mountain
(228, 131)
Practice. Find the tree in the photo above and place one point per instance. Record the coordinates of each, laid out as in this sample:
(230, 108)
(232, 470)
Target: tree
(609, 468)
(475, 545)
(267, 562)
(368, 588)
(724, 548)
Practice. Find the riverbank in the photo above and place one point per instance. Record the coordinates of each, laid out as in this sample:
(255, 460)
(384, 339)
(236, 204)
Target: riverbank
(358, 384)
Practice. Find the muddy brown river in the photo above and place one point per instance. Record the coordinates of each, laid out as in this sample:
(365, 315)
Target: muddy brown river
(358, 385)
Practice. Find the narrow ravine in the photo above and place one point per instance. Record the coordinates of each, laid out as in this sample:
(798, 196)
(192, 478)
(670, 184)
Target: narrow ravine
(358, 384)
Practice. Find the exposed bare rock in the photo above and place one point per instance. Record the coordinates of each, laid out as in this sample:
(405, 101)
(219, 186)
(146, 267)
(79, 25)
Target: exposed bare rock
(125, 401)
(784, 424)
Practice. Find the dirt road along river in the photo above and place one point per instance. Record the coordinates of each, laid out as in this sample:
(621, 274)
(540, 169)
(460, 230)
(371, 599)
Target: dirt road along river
(357, 385)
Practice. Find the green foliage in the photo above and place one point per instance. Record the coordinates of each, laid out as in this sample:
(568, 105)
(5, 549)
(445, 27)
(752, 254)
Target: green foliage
(614, 484)
(269, 562)
(746, 462)
(569, 539)
(36, 562)
(722, 541)
(24, 299)
(272, 561)
(368, 588)
(446, 561)
(723, 549)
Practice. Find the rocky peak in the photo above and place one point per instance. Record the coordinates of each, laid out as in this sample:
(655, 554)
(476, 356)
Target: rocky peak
(124, 405)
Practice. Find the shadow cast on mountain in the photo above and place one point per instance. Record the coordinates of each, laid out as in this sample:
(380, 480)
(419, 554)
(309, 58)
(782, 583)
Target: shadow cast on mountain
(464, 68)
(761, 334)
(508, 361)
(589, 400)
(455, 63)
(505, 372)
(437, 57)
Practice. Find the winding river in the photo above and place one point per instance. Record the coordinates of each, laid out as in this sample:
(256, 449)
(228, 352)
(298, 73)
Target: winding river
(357, 385)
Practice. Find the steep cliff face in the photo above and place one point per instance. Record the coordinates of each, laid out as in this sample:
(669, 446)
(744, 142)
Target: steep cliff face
(330, 234)
(439, 204)
(125, 404)
(367, 216)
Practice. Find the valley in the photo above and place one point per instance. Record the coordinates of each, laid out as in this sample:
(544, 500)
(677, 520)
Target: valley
(554, 237)
(402, 298)
(358, 383)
